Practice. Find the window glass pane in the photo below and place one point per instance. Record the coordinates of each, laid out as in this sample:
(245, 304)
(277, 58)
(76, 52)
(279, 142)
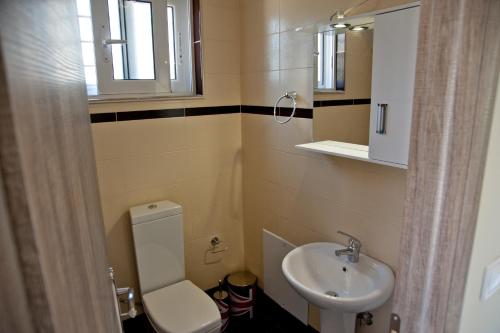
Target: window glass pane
(114, 19)
(117, 54)
(341, 42)
(171, 43)
(340, 63)
(116, 33)
(90, 75)
(88, 54)
(83, 7)
(132, 21)
(85, 24)
(140, 59)
(328, 60)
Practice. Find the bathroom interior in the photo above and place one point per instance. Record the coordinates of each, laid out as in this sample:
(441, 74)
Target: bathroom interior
(256, 168)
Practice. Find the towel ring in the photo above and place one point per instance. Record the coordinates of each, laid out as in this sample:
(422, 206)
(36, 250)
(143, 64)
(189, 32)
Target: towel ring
(290, 95)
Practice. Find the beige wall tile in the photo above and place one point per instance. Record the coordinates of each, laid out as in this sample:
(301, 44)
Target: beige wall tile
(342, 123)
(221, 57)
(301, 81)
(297, 131)
(220, 23)
(233, 4)
(219, 89)
(111, 177)
(259, 17)
(154, 170)
(215, 132)
(260, 53)
(296, 49)
(259, 131)
(107, 141)
(152, 136)
(261, 88)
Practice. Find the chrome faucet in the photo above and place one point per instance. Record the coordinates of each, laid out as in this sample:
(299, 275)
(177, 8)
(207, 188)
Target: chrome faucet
(352, 250)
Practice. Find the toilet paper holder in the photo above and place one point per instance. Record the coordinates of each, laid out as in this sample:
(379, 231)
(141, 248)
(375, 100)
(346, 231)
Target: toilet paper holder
(215, 244)
(215, 250)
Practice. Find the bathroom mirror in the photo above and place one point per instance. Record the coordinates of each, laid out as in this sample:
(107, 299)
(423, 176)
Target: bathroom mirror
(342, 80)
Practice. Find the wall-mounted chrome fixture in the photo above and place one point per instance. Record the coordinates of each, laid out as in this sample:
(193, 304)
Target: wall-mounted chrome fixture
(119, 292)
(289, 95)
(352, 250)
(212, 253)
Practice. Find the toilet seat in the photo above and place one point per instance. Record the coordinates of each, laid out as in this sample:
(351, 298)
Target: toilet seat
(182, 308)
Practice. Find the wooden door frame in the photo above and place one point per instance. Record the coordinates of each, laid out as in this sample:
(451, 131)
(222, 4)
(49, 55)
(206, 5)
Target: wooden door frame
(52, 234)
(457, 72)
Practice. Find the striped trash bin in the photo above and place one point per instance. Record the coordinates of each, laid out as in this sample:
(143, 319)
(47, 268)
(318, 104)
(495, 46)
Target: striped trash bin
(242, 288)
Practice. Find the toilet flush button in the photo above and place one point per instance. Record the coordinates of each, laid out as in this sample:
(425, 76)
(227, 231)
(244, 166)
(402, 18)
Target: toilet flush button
(491, 281)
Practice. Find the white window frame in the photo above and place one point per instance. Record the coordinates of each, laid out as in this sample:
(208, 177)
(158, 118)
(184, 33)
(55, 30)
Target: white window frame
(161, 85)
(183, 45)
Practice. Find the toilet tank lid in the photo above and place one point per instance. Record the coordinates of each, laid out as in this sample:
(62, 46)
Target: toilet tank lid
(154, 211)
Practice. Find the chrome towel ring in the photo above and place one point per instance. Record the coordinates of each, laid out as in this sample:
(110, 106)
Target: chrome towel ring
(290, 95)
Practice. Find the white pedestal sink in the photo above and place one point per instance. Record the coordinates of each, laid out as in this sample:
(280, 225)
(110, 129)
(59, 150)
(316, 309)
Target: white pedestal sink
(341, 289)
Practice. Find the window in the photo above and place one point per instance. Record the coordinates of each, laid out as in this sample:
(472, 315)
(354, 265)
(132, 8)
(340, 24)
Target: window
(330, 61)
(87, 44)
(136, 46)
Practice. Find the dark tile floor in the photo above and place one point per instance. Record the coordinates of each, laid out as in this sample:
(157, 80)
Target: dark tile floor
(269, 318)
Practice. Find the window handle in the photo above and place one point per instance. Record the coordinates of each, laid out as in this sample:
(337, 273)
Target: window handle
(114, 41)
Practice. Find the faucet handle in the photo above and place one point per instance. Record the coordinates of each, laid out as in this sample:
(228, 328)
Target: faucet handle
(353, 241)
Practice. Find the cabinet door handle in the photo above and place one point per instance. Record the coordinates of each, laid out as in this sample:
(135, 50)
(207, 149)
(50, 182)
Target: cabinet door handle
(381, 115)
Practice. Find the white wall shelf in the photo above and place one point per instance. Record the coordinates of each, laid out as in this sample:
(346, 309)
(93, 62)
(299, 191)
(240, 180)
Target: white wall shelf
(347, 150)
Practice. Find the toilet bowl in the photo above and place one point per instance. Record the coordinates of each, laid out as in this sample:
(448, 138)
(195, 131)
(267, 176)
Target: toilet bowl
(172, 303)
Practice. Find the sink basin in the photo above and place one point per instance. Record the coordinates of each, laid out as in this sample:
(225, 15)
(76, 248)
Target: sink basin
(341, 289)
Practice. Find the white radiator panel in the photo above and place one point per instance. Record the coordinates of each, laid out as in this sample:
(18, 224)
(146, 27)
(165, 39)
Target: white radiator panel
(275, 284)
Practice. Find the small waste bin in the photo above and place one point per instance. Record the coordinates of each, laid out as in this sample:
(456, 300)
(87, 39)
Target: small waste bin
(242, 288)
(221, 298)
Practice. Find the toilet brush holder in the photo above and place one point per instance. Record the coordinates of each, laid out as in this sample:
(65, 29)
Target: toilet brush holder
(221, 298)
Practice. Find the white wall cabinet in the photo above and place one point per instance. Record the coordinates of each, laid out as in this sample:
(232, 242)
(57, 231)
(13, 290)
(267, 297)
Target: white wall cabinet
(393, 78)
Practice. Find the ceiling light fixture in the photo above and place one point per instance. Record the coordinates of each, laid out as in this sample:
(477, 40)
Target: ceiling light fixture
(341, 25)
(359, 28)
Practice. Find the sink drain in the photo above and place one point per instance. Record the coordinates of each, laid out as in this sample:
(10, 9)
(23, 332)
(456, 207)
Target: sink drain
(332, 293)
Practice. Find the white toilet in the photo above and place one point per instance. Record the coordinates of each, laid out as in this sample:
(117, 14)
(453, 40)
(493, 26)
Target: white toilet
(172, 303)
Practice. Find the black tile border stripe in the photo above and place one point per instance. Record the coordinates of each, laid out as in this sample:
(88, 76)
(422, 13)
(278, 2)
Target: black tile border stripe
(198, 111)
(341, 102)
(299, 112)
(165, 113)
(282, 111)
(212, 110)
(103, 117)
(149, 114)
(362, 101)
(263, 110)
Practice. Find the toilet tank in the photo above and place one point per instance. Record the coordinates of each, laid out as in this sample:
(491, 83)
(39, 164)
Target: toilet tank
(159, 244)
